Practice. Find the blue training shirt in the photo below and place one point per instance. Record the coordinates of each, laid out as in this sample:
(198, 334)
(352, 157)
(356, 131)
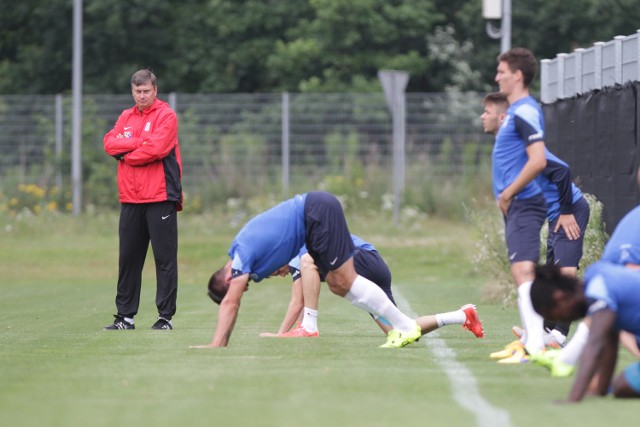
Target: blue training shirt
(557, 187)
(624, 244)
(523, 125)
(614, 287)
(269, 240)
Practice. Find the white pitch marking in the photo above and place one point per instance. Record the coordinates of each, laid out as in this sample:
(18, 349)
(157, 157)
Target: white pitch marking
(463, 383)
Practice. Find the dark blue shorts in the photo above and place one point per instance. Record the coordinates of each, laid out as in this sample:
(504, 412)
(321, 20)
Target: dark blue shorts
(560, 250)
(522, 228)
(370, 265)
(327, 236)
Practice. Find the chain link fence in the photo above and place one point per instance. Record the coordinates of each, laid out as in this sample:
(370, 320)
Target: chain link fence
(242, 146)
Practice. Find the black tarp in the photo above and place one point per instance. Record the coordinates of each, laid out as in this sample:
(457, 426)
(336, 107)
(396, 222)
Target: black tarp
(597, 134)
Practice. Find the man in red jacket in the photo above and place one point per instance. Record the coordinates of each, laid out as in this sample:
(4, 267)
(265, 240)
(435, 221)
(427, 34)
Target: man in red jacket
(144, 141)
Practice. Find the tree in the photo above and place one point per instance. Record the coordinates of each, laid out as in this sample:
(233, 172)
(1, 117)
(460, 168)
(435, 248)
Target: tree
(346, 43)
(35, 46)
(276, 45)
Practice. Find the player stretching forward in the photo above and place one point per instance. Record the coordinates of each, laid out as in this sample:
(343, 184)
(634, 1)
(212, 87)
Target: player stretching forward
(367, 261)
(623, 248)
(271, 239)
(609, 300)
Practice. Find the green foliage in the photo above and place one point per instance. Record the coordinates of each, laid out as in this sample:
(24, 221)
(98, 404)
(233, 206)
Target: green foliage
(32, 199)
(345, 43)
(241, 161)
(341, 151)
(491, 257)
(325, 45)
(298, 46)
(596, 236)
(443, 184)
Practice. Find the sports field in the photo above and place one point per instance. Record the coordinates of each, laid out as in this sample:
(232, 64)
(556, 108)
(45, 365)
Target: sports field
(58, 368)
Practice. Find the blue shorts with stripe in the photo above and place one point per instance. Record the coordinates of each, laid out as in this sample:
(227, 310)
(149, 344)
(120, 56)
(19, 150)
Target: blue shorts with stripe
(368, 264)
(522, 228)
(560, 250)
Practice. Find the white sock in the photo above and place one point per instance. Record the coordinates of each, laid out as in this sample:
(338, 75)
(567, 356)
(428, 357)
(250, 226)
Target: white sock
(558, 336)
(310, 319)
(532, 321)
(571, 352)
(129, 320)
(368, 296)
(451, 318)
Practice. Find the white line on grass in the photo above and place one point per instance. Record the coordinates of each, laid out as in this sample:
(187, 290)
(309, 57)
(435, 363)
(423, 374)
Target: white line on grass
(464, 384)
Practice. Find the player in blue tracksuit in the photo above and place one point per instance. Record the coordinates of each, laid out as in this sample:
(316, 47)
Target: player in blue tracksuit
(567, 213)
(609, 300)
(518, 158)
(568, 217)
(266, 244)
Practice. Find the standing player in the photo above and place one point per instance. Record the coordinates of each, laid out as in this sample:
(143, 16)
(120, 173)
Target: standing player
(144, 140)
(567, 214)
(271, 239)
(609, 300)
(369, 263)
(518, 158)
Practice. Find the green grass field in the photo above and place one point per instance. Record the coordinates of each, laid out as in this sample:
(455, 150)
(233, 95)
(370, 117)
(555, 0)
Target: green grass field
(58, 368)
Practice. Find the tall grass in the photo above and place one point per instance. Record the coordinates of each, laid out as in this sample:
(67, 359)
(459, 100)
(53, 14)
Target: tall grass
(490, 256)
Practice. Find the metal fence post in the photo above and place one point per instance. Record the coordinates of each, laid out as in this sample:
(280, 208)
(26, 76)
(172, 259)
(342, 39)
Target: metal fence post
(285, 144)
(394, 84)
(59, 135)
(76, 142)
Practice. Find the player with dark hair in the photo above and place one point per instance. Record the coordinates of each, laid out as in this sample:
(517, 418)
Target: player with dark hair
(567, 214)
(271, 239)
(495, 107)
(518, 158)
(623, 248)
(609, 300)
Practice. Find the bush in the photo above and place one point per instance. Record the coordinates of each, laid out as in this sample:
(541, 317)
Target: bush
(33, 199)
(491, 257)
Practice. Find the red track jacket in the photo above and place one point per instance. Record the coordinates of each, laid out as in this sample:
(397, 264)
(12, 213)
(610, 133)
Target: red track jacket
(146, 145)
